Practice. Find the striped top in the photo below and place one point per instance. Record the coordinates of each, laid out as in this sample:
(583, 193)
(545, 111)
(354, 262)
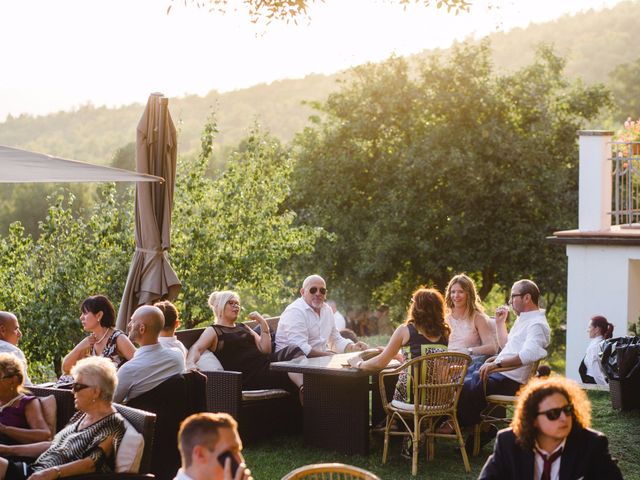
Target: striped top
(72, 443)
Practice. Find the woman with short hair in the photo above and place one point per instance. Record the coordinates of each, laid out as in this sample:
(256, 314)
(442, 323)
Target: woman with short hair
(88, 442)
(98, 316)
(21, 416)
(550, 438)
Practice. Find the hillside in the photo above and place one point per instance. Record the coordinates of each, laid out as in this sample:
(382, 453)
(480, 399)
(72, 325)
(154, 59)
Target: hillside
(593, 42)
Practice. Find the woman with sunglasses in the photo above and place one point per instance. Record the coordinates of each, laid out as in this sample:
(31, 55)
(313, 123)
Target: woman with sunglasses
(550, 438)
(88, 442)
(240, 349)
(98, 316)
(471, 330)
(21, 417)
(590, 368)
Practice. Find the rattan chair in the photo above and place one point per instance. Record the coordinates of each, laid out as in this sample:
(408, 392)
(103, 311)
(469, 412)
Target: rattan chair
(498, 407)
(330, 471)
(434, 383)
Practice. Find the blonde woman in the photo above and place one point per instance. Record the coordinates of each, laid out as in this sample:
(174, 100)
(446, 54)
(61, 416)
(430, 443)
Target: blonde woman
(21, 417)
(471, 330)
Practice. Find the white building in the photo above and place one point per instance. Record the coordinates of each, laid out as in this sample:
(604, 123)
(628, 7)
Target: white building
(604, 252)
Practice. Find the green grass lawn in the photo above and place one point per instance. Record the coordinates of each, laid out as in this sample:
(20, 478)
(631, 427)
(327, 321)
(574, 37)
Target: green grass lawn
(272, 458)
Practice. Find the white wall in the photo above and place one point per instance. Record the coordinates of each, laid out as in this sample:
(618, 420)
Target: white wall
(602, 280)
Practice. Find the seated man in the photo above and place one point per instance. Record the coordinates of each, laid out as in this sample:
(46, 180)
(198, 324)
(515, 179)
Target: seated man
(10, 335)
(308, 323)
(211, 448)
(521, 348)
(167, 336)
(152, 363)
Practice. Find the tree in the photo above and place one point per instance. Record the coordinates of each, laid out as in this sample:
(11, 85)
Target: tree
(292, 10)
(626, 90)
(452, 169)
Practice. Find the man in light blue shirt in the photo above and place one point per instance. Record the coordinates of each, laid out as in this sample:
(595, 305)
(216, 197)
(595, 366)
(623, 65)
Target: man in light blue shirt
(152, 363)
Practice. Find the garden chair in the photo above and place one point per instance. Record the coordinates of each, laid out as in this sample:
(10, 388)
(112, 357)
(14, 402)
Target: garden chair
(330, 471)
(434, 383)
(495, 413)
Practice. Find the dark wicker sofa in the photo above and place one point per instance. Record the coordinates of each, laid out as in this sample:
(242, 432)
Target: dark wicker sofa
(259, 413)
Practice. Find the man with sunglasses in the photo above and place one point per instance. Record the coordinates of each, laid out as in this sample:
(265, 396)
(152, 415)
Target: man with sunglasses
(550, 438)
(308, 323)
(10, 335)
(524, 345)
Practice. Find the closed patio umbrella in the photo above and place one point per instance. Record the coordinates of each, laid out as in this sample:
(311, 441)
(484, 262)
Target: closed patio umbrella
(150, 276)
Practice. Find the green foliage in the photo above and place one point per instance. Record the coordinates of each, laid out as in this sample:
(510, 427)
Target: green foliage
(231, 232)
(458, 169)
(626, 89)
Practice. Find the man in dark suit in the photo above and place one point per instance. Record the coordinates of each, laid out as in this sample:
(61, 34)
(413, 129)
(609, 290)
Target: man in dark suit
(550, 439)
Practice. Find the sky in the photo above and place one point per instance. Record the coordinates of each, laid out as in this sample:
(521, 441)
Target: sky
(62, 54)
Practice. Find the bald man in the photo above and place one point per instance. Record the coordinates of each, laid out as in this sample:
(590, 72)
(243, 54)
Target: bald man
(152, 364)
(308, 323)
(10, 335)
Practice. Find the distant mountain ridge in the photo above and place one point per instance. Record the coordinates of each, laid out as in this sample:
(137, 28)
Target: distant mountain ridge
(594, 43)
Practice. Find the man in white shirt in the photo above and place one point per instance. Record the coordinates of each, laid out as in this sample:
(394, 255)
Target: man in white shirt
(521, 348)
(10, 335)
(167, 337)
(211, 449)
(308, 323)
(152, 363)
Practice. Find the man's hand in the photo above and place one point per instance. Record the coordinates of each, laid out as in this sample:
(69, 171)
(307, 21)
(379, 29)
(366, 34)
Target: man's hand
(502, 313)
(243, 473)
(356, 347)
(486, 369)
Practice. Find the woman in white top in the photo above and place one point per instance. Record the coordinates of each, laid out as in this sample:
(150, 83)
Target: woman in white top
(590, 368)
(471, 330)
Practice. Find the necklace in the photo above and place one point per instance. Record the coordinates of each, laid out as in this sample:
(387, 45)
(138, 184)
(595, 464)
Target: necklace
(11, 402)
(102, 337)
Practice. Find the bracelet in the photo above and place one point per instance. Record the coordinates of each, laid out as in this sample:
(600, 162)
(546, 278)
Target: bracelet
(359, 363)
(58, 472)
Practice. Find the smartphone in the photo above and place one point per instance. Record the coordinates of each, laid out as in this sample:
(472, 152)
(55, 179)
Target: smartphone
(222, 458)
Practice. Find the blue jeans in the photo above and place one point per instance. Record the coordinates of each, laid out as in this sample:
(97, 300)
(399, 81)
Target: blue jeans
(472, 399)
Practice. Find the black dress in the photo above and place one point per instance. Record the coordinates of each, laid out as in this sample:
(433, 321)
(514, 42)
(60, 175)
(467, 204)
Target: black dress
(237, 351)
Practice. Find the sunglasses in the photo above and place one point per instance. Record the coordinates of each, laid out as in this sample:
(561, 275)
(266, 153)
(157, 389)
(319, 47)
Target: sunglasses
(76, 387)
(313, 290)
(554, 413)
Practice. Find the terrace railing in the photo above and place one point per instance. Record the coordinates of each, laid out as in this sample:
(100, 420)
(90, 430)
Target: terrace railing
(625, 198)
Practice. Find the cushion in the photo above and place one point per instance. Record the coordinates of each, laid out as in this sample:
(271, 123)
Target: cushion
(130, 450)
(208, 362)
(49, 411)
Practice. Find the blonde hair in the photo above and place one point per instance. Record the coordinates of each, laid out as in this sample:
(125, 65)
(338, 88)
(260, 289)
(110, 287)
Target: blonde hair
(11, 366)
(217, 301)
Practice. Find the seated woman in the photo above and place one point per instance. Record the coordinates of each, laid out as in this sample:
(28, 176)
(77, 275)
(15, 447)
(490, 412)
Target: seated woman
(241, 349)
(471, 331)
(590, 368)
(21, 417)
(551, 418)
(88, 441)
(97, 316)
(424, 331)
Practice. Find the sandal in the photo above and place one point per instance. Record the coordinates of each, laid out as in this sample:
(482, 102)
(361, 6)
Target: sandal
(446, 428)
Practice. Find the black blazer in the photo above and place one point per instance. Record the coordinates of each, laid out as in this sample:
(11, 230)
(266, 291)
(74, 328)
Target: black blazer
(586, 456)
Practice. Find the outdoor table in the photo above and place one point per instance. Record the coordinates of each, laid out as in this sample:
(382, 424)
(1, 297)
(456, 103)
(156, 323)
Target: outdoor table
(336, 402)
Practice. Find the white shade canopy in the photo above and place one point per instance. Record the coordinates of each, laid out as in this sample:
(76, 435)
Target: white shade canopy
(23, 166)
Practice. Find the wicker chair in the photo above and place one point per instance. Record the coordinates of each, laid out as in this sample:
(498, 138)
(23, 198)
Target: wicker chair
(495, 413)
(330, 471)
(434, 382)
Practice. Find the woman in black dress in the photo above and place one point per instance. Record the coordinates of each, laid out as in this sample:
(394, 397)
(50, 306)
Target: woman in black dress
(241, 349)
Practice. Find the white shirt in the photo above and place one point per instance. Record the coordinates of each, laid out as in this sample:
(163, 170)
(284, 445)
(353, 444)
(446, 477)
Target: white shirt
(150, 366)
(173, 342)
(6, 347)
(181, 475)
(339, 320)
(538, 463)
(592, 360)
(301, 326)
(528, 338)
